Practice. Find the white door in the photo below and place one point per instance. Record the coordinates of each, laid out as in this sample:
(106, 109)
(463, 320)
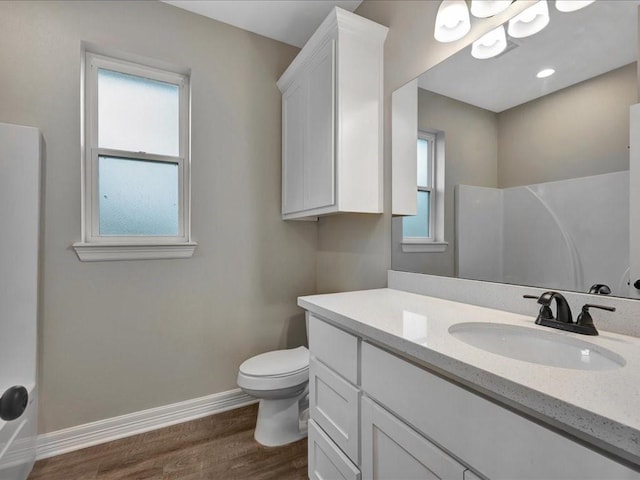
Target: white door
(19, 244)
(634, 202)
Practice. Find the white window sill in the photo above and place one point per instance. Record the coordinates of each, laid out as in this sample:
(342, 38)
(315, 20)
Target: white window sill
(98, 252)
(409, 246)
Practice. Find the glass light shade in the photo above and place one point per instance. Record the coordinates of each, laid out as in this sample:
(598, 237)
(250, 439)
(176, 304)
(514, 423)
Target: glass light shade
(452, 21)
(529, 21)
(572, 5)
(490, 44)
(488, 8)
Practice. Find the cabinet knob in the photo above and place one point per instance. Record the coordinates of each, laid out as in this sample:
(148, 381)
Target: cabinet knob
(636, 284)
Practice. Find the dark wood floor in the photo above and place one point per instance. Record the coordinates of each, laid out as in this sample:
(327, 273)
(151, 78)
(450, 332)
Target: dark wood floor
(216, 447)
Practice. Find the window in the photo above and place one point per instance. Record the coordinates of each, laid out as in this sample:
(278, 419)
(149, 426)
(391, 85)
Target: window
(136, 162)
(424, 232)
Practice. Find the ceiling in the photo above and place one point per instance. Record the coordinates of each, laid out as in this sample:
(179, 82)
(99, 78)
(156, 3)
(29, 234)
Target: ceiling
(289, 21)
(578, 45)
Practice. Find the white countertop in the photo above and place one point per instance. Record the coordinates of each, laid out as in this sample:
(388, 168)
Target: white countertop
(601, 407)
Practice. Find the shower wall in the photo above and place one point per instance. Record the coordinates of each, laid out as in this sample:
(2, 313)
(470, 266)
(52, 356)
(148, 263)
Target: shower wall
(567, 234)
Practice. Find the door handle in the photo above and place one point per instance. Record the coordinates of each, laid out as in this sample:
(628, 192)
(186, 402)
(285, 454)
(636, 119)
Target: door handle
(13, 403)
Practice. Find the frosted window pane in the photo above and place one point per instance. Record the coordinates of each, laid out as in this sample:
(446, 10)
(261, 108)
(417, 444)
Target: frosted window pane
(137, 197)
(423, 163)
(418, 225)
(137, 114)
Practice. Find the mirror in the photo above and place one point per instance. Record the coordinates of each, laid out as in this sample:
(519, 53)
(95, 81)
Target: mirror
(535, 187)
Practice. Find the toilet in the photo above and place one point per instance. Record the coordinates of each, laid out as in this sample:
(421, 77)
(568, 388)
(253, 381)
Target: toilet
(280, 379)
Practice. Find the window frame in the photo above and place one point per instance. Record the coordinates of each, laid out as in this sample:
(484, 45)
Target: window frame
(113, 246)
(431, 160)
(435, 241)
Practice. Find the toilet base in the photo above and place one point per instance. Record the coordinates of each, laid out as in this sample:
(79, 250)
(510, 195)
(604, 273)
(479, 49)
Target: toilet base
(279, 421)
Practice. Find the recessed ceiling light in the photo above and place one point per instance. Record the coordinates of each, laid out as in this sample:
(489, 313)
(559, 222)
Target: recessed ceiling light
(547, 72)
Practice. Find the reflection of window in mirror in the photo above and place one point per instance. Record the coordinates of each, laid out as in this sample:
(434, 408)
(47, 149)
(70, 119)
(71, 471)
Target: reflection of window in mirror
(423, 231)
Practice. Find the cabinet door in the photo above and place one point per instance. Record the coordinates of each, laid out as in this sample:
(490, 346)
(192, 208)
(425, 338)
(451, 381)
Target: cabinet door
(392, 450)
(334, 405)
(319, 178)
(293, 121)
(326, 461)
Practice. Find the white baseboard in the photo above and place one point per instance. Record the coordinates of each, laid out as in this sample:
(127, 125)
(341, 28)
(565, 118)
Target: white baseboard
(94, 433)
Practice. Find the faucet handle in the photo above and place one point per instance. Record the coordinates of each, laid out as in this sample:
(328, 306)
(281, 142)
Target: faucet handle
(585, 321)
(601, 307)
(545, 310)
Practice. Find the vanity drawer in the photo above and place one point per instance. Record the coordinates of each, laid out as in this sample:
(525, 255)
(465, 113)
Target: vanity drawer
(326, 461)
(335, 405)
(336, 348)
(476, 429)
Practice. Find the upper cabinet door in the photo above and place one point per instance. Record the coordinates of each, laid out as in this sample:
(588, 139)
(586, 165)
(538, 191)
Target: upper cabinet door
(293, 115)
(319, 184)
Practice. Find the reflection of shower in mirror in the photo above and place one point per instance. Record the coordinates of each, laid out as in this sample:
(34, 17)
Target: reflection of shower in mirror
(570, 234)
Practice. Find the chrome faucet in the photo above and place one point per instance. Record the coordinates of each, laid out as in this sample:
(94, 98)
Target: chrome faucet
(563, 319)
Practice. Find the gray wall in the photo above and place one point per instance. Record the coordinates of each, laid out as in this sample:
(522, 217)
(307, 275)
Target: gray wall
(471, 154)
(118, 337)
(579, 131)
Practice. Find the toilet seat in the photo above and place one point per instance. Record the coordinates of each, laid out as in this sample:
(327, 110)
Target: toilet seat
(275, 370)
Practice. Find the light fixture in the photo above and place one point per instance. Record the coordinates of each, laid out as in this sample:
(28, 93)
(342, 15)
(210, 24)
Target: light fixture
(488, 8)
(547, 72)
(490, 44)
(452, 21)
(529, 21)
(569, 5)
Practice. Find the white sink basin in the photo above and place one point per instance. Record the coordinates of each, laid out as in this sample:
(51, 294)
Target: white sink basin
(536, 346)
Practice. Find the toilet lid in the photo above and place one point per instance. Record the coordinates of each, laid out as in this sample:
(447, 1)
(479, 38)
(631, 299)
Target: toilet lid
(277, 363)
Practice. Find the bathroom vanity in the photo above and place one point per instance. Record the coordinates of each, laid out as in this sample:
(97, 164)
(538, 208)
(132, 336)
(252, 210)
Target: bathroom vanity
(398, 390)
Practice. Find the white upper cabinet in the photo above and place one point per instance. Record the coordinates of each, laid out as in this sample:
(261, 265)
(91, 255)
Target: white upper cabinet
(332, 120)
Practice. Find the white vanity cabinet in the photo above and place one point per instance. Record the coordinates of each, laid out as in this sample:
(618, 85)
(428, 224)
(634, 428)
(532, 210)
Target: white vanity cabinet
(332, 120)
(350, 435)
(377, 416)
(487, 437)
(334, 401)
